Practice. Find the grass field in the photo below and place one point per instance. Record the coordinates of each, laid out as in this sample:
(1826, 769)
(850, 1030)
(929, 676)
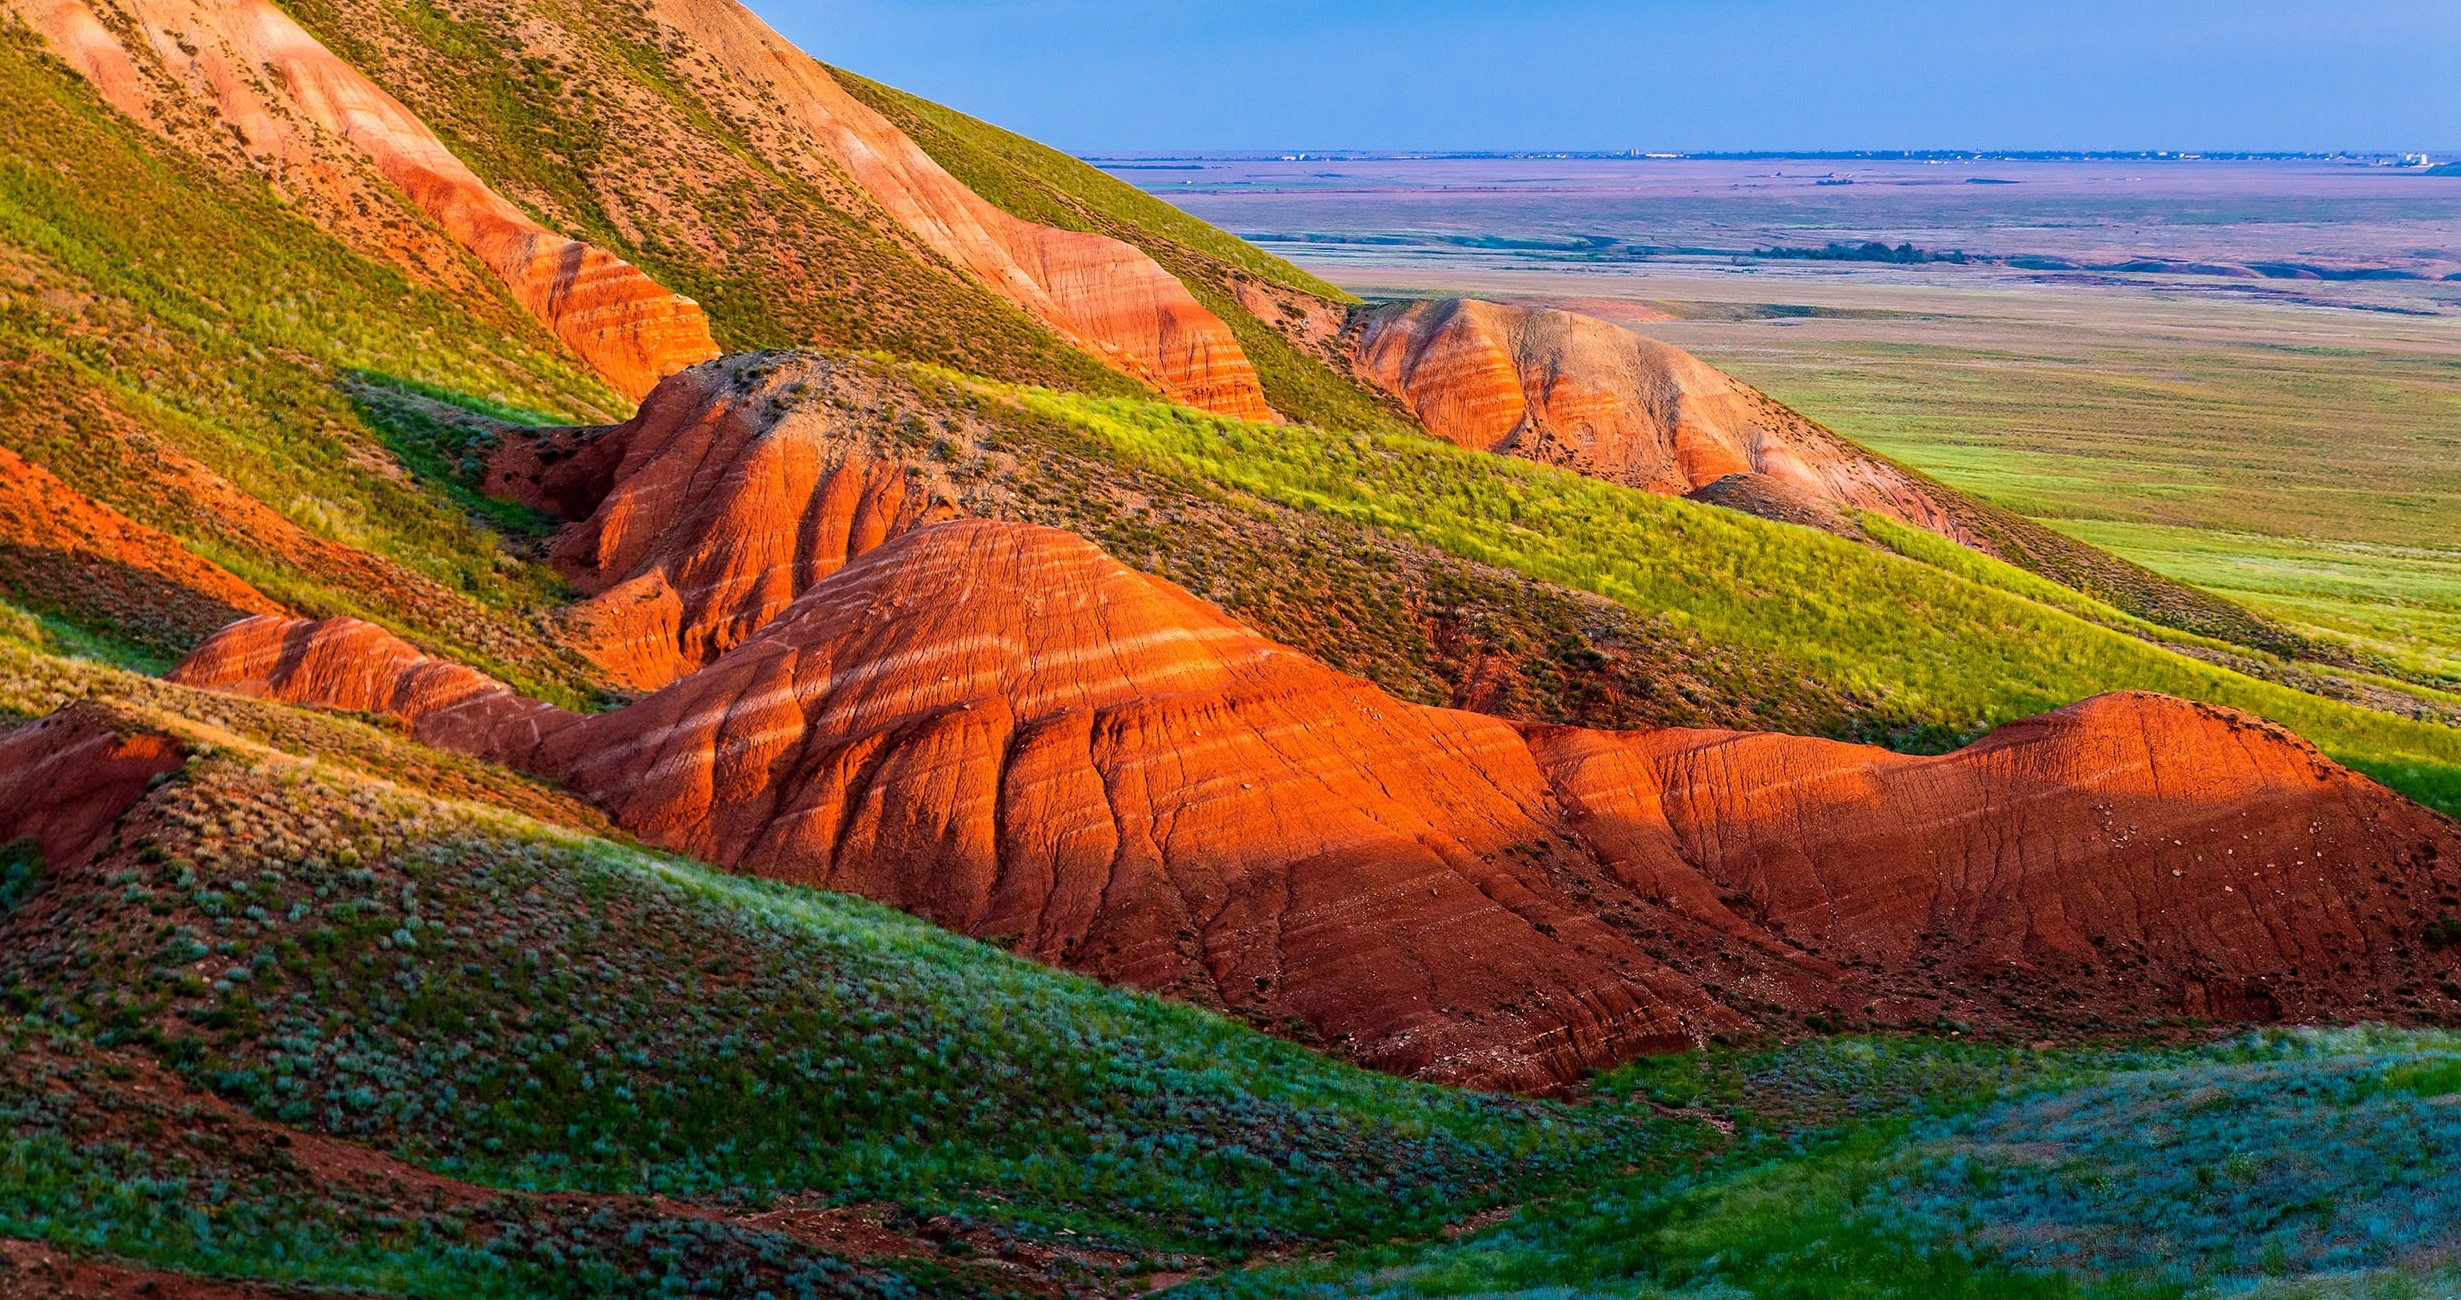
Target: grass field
(2320, 484)
(2399, 602)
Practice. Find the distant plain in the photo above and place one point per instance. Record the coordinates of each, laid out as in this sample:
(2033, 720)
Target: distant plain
(2249, 378)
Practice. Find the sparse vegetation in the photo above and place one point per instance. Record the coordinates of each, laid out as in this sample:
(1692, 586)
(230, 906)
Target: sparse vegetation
(1868, 251)
(2285, 1162)
(21, 872)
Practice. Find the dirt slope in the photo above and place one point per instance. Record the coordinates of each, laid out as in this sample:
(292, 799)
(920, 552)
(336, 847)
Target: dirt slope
(302, 116)
(1591, 396)
(65, 778)
(1005, 731)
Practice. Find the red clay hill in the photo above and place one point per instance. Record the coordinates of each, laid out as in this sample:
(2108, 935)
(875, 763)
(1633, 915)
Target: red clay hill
(64, 779)
(705, 515)
(1002, 729)
(1593, 397)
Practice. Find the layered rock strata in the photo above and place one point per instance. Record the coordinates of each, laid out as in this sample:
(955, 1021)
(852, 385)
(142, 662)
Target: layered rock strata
(1001, 729)
(703, 517)
(1590, 396)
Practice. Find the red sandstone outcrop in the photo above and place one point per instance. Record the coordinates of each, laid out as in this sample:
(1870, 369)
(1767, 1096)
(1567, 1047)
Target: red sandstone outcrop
(705, 515)
(1103, 295)
(65, 778)
(1590, 396)
(1001, 729)
(343, 663)
(288, 99)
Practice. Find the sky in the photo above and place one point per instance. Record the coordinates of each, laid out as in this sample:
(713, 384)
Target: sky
(1102, 76)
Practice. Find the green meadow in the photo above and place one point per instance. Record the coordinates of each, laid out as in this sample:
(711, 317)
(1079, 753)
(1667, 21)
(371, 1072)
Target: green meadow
(2401, 603)
(2304, 460)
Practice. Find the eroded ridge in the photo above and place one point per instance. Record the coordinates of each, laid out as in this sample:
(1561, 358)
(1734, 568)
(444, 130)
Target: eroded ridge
(1099, 293)
(705, 515)
(1000, 728)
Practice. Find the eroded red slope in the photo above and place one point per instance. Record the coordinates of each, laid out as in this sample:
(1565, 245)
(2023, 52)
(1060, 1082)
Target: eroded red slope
(75, 551)
(64, 779)
(705, 515)
(1590, 396)
(344, 663)
(307, 119)
(1106, 296)
(1000, 728)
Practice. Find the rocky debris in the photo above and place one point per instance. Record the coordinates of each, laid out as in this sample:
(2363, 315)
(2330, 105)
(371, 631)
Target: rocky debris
(1001, 729)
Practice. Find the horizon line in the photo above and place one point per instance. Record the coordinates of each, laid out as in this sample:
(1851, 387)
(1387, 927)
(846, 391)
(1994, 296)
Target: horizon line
(2386, 157)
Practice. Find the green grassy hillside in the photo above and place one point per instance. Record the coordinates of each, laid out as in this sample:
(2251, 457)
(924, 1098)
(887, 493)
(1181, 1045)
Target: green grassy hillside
(2299, 460)
(1039, 183)
(2297, 1163)
(154, 308)
(589, 117)
(1029, 179)
(1950, 652)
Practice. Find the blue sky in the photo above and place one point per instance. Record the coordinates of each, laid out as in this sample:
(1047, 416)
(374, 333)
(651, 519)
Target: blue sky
(1103, 75)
